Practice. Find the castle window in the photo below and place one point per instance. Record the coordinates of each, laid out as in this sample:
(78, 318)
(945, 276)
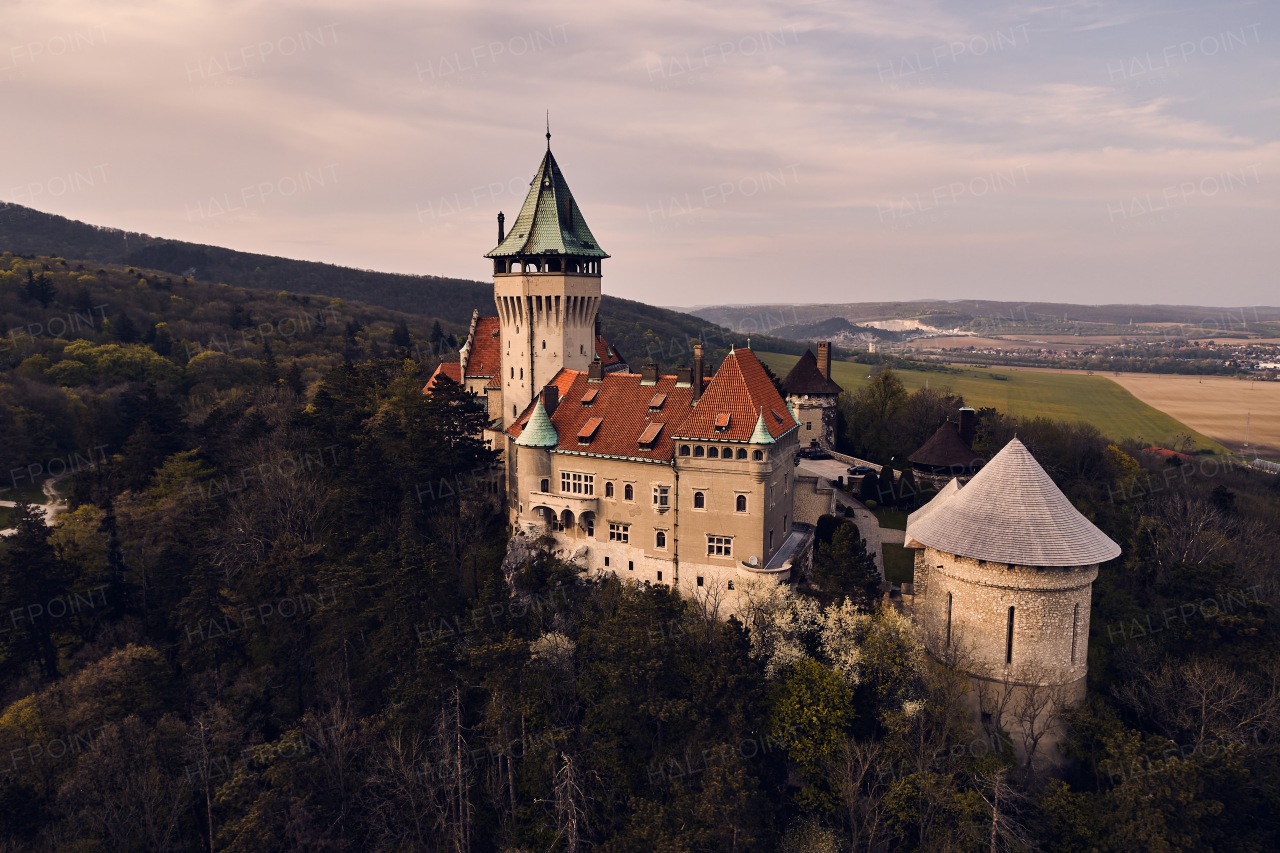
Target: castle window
(699, 580)
(1075, 631)
(740, 503)
(513, 410)
(606, 562)
(513, 373)
(628, 492)
(631, 565)
(770, 540)
(522, 373)
(589, 524)
(659, 576)
(660, 539)
(544, 485)
(719, 546)
(713, 453)
(730, 584)
(574, 483)
(619, 532)
(608, 490)
(662, 496)
(684, 450)
(1008, 640)
(544, 344)
(948, 620)
(699, 500)
(699, 451)
(808, 425)
(757, 455)
(742, 453)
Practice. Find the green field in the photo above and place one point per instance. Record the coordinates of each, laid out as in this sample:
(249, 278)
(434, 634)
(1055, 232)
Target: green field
(1029, 393)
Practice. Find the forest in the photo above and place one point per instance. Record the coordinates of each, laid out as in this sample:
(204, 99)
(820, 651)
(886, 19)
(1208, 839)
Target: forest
(280, 613)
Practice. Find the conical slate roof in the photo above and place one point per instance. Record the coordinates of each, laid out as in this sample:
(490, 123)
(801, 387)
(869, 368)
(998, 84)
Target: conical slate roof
(550, 221)
(946, 449)
(1010, 512)
(806, 378)
(539, 432)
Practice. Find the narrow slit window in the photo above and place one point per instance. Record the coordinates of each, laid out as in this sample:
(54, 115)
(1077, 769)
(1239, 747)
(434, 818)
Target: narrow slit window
(1008, 640)
(1075, 631)
(948, 620)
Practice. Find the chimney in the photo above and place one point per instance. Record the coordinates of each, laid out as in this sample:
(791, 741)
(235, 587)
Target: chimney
(684, 377)
(968, 425)
(649, 373)
(824, 359)
(697, 372)
(550, 398)
(595, 370)
(502, 227)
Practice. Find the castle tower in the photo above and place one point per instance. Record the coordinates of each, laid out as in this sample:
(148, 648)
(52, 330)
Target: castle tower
(812, 395)
(1004, 574)
(546, 284)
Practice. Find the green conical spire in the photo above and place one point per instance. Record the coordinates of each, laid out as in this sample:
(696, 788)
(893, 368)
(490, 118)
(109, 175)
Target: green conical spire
(550, 222)
(539, 431)
(761, 434)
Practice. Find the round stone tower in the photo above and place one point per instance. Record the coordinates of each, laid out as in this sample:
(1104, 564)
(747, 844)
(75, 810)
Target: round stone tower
(1004, 572)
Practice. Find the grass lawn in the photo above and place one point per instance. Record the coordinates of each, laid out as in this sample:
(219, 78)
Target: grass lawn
(31, 493)
(1066, 396)
(899, 563)
(893, 518)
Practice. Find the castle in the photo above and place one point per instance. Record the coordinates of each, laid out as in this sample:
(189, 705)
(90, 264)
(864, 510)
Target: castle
(692, 481)
(683, 478)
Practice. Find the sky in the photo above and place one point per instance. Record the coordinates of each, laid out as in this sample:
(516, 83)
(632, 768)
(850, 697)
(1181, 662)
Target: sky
(722, 153)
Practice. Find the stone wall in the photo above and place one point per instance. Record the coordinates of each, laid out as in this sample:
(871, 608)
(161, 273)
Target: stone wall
(962, 606)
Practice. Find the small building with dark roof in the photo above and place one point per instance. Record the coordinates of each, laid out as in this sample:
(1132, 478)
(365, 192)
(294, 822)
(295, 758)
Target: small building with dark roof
(812, 394)
(948, 453)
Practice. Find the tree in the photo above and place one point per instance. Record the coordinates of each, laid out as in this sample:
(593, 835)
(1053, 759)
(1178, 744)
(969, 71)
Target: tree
(869, 488)
(400, 337)
(32, 592)
(843, 567)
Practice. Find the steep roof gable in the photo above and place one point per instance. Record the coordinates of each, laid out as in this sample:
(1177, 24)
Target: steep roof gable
(485, 358)
(449, 370)
(946, 449)
(745, 392)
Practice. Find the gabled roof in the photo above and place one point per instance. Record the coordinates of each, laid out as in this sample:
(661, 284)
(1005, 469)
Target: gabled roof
(622, 405)
(449, 369)
(946, 449)
(742, 389)
(806, 378)
(550, 221)
(485, 359)
(1010, 512)
(608, 354)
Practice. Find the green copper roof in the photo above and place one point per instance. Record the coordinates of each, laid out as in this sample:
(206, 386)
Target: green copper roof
(539, 431)
(550, 222)
(792, 409)
(761, 435)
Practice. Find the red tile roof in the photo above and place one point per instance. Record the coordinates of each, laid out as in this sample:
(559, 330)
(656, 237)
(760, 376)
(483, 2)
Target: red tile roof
(742, 390)
(486, 349)
(450, 369)
(606, 353)
(623, 407)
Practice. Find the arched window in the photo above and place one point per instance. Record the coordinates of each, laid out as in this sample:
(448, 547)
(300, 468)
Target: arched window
(699, 451)
(628, 493)
(757, 455)
(522, 373)
(699, 500)
(513, 373)
(608, 490)
(544, 344)
(513, 410)
(684, 450)
(544, 485)
(740, 504)
(742, 453)
(589, 523)
(660, 539)
(713, 453)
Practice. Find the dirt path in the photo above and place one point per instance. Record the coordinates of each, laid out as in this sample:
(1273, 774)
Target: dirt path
(52, 508)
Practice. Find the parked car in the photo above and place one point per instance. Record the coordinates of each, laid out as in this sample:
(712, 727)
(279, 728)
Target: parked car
(813, 452)
(861, 470)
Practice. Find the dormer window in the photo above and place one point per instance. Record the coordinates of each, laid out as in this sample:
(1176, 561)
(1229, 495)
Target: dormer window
(722, 421)
(589, 430)
(657, 402)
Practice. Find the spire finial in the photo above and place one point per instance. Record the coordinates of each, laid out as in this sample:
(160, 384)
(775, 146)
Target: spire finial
(548, 130)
